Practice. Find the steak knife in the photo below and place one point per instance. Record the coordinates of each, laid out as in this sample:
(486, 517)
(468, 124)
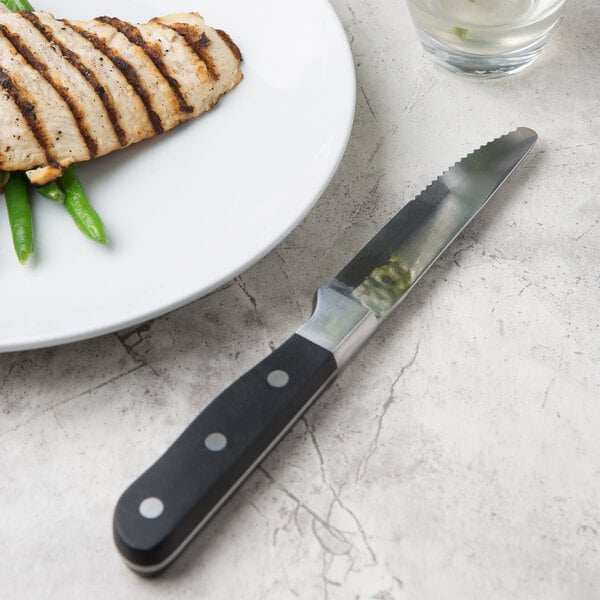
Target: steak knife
(161, 512)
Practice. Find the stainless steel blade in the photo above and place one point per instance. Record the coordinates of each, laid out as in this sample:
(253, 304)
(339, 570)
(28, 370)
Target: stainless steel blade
(372, 284)
(385, 270)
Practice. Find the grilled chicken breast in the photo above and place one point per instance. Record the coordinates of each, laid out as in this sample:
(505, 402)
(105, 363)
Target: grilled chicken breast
(74, 90)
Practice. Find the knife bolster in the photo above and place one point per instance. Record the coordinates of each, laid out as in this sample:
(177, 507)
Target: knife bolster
(339, 324)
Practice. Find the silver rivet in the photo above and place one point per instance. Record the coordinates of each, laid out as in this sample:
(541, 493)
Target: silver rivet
(278, 379)
(215, 442)
(152, 508)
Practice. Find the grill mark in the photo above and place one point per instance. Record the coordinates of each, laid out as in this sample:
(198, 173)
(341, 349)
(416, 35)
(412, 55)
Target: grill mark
(198, 44)
(42, 68)
(128, 71)
(27, 109)
(86, 73)
(154, 54)
(230, 44)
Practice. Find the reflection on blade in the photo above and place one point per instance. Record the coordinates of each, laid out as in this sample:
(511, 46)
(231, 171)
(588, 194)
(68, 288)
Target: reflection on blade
(385, 270)
(384, 287)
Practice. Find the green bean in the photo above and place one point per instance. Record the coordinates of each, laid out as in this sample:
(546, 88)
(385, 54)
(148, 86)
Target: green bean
(19, 216)
(4, 175)
(15, 5)
(52, 191)
(76, 202)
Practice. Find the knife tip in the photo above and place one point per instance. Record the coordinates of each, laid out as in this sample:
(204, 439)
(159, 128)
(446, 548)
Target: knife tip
(527, 132)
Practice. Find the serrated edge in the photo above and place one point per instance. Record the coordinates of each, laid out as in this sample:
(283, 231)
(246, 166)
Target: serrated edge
(489, 143)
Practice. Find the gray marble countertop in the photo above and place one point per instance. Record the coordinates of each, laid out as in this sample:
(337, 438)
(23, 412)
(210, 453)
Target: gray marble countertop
(457, 457)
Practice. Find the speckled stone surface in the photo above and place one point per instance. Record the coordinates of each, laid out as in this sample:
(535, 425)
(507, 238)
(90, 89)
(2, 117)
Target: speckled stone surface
(457, 457)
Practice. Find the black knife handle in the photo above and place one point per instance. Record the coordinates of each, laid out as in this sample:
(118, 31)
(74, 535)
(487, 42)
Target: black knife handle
(161, 511)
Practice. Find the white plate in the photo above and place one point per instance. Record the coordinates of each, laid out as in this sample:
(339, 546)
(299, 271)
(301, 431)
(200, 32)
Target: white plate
(188, 211)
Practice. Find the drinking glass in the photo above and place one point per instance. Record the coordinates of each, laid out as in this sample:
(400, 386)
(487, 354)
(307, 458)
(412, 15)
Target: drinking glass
(485, 38)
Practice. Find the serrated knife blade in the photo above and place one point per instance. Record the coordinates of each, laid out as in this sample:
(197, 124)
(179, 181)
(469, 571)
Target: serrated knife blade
(161, 512)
